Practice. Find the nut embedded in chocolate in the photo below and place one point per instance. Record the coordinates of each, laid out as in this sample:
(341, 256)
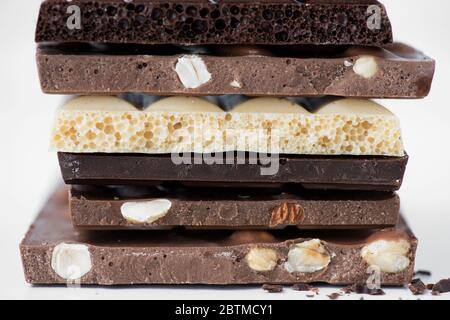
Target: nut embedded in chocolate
(140, 212)
(71, 261)
(388, 254)
(366, 67)
(287, 214)
(192, 71)
(307, 257)
(261, 259)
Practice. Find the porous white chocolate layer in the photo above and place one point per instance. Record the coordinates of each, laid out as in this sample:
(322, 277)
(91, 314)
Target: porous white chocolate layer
(189, 124)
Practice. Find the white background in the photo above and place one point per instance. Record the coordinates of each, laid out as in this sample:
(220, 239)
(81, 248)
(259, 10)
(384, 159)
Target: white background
(29, 171)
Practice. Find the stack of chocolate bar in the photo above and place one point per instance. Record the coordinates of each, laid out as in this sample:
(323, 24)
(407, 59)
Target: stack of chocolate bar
(224, 142)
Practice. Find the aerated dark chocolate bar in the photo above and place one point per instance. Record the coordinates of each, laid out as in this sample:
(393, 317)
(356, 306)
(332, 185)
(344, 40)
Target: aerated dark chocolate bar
(361, 22)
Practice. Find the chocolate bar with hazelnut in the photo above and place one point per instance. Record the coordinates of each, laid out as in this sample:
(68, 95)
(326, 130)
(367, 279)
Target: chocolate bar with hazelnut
(53, 252)
(166, 207)
(338, 22)
(399, 71)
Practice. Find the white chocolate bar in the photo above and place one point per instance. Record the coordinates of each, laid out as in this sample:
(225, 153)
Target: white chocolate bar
(189, 124)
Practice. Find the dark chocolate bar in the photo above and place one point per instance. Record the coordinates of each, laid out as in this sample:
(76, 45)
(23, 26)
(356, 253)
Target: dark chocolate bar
(397, 72)
(339, 22)
(317, 172)
(54, 253)
(122, 207)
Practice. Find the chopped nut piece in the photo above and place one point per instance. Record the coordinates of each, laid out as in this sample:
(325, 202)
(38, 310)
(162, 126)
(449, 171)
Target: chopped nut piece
(308, 256)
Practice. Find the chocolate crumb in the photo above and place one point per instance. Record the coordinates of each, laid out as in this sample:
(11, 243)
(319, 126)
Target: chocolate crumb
(442, 286)
(315, 290)
(334, 296)
(417, 287)
(272, 288)
(301, 287)
(424, 273)
(430, 286)
(361, 288)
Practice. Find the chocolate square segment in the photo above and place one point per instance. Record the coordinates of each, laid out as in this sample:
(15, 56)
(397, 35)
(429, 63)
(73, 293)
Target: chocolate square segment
(360, 22)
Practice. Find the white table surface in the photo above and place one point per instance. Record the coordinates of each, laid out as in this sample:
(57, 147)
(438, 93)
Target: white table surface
(29, 171)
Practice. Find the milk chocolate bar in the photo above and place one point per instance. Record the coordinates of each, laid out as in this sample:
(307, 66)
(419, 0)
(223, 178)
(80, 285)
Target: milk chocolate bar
(168, 207)
(310, 172)
(395, 72)
(107, 124)
(54, 253)
(338, 22)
